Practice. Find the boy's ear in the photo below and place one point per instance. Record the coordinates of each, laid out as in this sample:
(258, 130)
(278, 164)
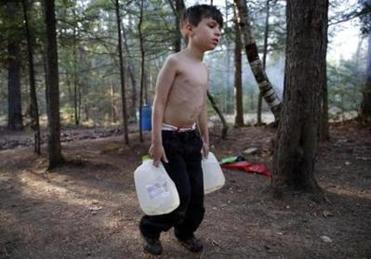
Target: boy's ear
(186, 30)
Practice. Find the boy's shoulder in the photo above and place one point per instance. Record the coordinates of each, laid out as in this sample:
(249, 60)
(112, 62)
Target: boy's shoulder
(173, 60)
(180, 58)
(175, 57)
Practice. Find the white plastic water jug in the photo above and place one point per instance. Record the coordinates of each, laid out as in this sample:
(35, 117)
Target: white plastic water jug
(213, 174)
(157, 193)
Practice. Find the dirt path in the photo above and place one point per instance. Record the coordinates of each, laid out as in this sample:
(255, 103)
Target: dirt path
(88, 209)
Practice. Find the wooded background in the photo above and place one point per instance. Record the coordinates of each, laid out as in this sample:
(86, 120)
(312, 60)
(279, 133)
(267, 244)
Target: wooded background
(95, 62)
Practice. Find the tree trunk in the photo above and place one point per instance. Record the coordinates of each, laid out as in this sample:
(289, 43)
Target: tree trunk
(324, 125)
(238, 122)
(265, 50)
(146, 83)
(261, 78)
(229, 95)
(15, 121)
(141, 71)
(76, 90)
(305, 75)
(178, 8)
(79, 91)
(45, 66)
(35, 125)
(365, 110)
(54, 144)
(324, 132)
(220, 114)
(130, 70)
(122, 76)
(113, 104)
(358, 53)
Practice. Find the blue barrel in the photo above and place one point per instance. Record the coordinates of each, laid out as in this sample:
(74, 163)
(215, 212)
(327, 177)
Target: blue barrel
(146, 117)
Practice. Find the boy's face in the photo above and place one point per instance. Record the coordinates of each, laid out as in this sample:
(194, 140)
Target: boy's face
(206, 35)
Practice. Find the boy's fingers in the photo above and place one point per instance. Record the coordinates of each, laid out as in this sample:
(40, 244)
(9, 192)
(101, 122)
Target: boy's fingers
(156, 163)
(205, 152)
(165, 158)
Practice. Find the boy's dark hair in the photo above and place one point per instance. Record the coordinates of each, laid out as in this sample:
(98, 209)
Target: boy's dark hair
(196, 13)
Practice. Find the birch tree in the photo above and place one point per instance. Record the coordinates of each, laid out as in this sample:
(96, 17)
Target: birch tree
(265, 87)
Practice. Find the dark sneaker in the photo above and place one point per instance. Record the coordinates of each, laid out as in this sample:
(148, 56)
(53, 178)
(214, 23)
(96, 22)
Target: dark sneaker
(152, 245)
(193, 244)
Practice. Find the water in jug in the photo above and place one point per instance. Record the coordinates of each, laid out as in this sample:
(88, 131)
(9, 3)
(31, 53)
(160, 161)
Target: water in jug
(213, 174)
(157, 193)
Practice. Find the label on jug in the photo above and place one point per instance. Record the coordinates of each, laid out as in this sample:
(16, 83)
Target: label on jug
(158, 189)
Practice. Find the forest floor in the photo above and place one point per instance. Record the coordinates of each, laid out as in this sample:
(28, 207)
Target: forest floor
(88, 208)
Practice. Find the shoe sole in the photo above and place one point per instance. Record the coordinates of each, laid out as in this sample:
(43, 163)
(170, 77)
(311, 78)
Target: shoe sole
(151, 253)
(189, 248)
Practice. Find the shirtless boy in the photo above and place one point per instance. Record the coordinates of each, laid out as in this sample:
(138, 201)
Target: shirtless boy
(180, 106)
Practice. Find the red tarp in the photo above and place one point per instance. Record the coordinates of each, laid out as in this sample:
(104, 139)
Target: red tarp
(249, 168)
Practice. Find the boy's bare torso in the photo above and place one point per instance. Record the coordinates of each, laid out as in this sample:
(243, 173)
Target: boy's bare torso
(187, 95)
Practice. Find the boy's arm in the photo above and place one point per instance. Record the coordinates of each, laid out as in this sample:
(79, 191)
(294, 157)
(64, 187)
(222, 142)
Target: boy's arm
(164, 82)
(204, 130)
(203, 126)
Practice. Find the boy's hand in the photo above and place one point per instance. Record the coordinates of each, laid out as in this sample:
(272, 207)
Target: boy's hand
(205, 150)
(157, 153)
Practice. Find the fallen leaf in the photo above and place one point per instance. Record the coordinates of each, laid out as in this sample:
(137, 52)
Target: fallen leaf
(95, 208)
(327, 214)
(326, 239)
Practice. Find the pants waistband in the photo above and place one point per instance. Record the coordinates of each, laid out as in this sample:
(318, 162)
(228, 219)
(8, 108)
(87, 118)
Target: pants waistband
(169, 127)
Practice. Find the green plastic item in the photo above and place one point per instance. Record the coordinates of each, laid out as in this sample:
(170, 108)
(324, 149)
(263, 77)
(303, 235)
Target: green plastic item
(227, 160)
(145, 157)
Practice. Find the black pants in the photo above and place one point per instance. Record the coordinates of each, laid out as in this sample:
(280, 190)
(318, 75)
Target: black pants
(183, 150)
